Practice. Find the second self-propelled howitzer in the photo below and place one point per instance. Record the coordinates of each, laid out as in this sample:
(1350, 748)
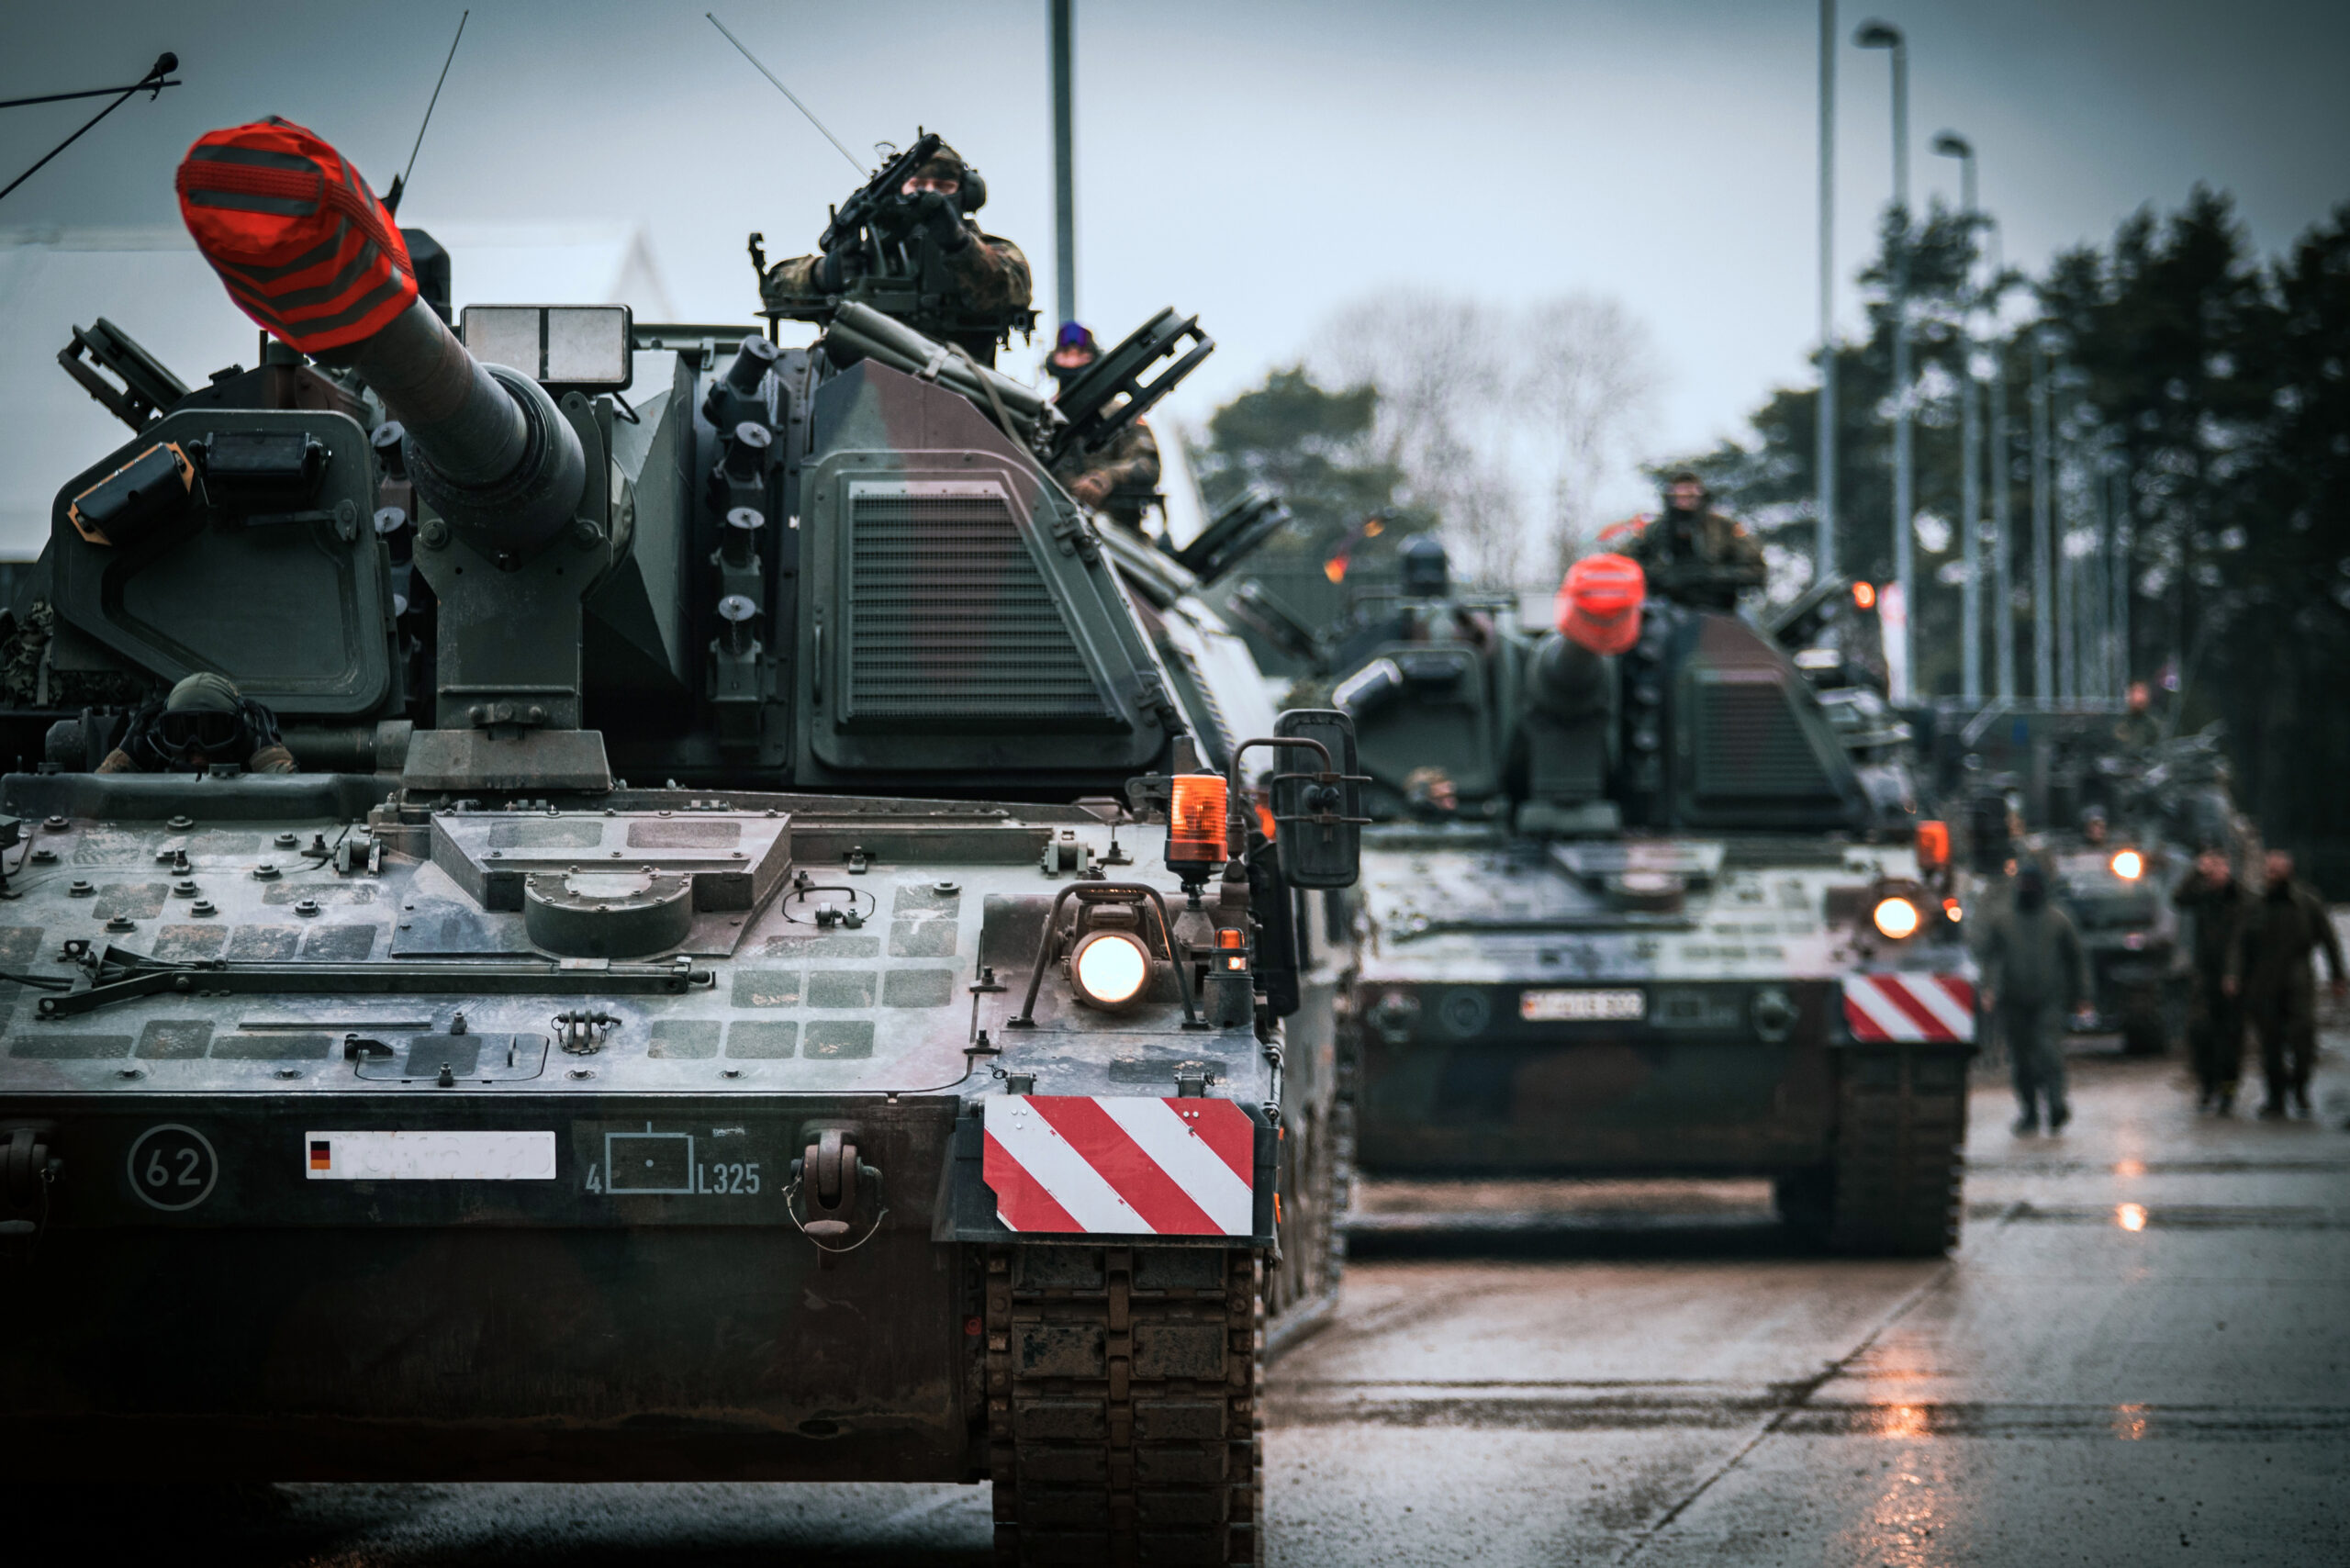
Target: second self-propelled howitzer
(922, 1070)
(1634, 912)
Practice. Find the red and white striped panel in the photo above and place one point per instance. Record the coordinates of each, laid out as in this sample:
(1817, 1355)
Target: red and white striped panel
(1909, 1007)
(1121, 1166)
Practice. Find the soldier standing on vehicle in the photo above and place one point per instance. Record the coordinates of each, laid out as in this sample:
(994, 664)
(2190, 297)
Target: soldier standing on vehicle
(930, 209)
(2215, 901)
(2033, 974)
(1121, 478)
(2268, 968)
(2138, 729)
(1693, 554)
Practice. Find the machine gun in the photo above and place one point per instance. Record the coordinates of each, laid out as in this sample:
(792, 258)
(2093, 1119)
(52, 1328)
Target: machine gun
(868, 208)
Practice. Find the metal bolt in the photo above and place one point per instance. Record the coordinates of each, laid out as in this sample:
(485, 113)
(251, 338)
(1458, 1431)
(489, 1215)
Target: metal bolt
(131, 1073)
(180, 824)
(434, 534)
(202, 907)
(44, 857)
(287, 840)
(265, 872)
(184, 890)
(80, 891)
(55, 825)
(289, 1072)
(122, 922)
(307, 906)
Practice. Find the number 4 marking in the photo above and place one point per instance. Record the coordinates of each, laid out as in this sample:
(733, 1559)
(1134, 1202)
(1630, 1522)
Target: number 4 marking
(595, 1178)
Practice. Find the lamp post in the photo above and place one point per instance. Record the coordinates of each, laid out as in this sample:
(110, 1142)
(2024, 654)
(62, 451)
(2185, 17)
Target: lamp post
(1950, 144)
(1064, 167)
(1885, 35)
(2044, 533)
(2003, 562)
(1824, 447)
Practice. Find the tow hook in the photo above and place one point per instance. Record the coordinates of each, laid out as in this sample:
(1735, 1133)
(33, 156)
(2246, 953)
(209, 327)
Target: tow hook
(836, 1188)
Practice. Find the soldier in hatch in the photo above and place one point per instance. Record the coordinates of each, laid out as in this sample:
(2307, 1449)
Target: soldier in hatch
(1694, 554)
(2269, 969)
(931, 216)
(205, 721)
(1122, 478)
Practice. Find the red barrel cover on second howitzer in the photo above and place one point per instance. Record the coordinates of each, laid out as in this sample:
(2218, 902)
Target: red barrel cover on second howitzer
(1599, 603)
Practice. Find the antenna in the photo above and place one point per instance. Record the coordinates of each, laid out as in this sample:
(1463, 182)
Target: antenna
(786, 93)
(392, 199)
(158, 77)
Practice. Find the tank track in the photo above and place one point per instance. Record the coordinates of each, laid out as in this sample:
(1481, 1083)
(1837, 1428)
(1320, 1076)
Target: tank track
(1900, 1134)
(1123, 1404)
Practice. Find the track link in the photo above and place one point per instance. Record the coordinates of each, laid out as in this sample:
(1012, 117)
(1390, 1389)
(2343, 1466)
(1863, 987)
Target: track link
(1900, 1131)
(1123, 1404)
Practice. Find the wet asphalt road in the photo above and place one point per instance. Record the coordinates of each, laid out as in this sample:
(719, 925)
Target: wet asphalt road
(2140, 1353)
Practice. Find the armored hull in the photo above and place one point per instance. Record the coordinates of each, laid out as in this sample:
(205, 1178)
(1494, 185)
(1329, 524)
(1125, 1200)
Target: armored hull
(1516, 1018)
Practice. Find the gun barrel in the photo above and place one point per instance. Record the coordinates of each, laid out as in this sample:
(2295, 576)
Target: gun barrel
(274, 209)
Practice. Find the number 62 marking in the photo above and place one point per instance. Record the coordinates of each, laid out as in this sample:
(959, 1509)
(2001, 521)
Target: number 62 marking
(172, 1167)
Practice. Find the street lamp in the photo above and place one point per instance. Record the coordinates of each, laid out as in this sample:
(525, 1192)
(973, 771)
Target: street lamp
(1885, 35)
(1950, 144)
(1824, 438)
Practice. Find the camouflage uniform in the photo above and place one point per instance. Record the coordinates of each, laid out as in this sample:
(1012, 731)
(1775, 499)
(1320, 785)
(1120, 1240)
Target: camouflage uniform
(2136, 731)
(2269, 961)
(2214, 1019)
(2033, 968)
(991, 271)
(1130, 462)
(1700, 559)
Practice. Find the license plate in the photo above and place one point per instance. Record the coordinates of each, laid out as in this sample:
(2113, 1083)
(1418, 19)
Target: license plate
(1582, 1006)
(468, 1156)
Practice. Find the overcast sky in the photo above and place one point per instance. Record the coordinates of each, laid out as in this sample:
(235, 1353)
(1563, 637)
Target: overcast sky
(1259, 163)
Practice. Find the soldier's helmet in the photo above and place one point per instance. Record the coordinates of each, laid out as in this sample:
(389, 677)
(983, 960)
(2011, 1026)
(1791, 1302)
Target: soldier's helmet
(972, 190)
(204, 712)
(1428, 572)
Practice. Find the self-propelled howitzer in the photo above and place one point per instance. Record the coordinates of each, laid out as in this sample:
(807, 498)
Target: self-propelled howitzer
(1635, 913)
(859, 1094)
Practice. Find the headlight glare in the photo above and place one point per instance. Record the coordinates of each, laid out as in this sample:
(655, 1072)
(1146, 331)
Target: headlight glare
(2128, 865)
(1110, 967)
(1895, 917)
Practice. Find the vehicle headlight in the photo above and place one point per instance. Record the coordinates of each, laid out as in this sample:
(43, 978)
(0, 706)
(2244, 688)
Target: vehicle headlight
(1109, 967)
(1897, 917)
(2128, 865)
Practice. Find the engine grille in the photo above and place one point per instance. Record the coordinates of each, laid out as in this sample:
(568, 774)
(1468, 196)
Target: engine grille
(1750, 745)
(950, 620)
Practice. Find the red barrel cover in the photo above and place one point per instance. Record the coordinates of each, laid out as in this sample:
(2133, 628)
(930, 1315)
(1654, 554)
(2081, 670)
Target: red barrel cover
(1599, 604)
(301, 243)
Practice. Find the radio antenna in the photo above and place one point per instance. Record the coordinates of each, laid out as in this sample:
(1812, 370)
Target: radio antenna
(159, 76)
(392, 199)
(786, 93)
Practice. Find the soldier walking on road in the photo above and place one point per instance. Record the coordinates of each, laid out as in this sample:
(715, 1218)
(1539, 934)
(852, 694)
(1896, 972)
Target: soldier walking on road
(2268, 968)
(2215, 901)
(2033, 974)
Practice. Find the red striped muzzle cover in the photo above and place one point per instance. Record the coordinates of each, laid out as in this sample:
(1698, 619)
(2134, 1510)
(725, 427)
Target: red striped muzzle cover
(301, 243)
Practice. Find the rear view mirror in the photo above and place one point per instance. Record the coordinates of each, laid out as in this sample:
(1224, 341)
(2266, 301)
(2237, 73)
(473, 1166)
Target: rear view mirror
(1318, 806)
(588, 347)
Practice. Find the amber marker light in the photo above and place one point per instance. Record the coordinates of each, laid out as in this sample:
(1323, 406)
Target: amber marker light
(1864, 596)
(1195, 826)
(1933, 845)
(1895, 917)
(1109, 967)
(2128, 865)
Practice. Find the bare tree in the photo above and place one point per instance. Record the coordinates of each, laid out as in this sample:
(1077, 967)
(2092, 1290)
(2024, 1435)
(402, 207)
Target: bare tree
(1497, 418)
(1586, 391)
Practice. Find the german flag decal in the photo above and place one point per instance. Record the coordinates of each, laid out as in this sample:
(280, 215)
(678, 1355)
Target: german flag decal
(321, 1154)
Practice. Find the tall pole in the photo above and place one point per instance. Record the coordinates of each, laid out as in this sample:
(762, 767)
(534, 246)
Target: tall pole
(1824, 452)
(1949, 144)
(2117, 490)
(1879, 35)
(2043, 566)
(1064, 168)
(2003, 556)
